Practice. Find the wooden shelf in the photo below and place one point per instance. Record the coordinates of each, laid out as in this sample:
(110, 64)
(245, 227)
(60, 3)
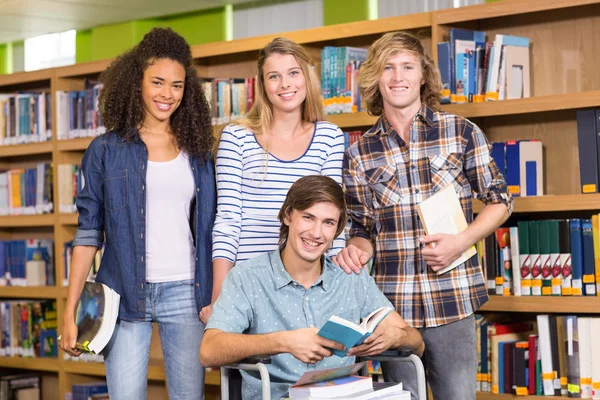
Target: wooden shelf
(156, 371)
(20, 221)
(549, 203)
(29, 292)
(26, 77)
(317, 35)
(544, 304)
(79, 144)
(68, 219)
(37, 364)
(569, 101)
(359, 119)
(491, 396)
(88, 68)
(502, 9)
(25, 149)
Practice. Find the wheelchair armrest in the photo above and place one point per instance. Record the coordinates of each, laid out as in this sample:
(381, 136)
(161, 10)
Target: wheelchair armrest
(400, 352)
(255, 360)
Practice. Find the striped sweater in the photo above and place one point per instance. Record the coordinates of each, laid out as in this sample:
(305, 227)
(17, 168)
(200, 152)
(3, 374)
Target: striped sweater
(249, 198)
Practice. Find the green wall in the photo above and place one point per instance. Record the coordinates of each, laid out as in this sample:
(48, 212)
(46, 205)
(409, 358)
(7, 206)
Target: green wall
(109, 41)
(342, 11)
(5, 59)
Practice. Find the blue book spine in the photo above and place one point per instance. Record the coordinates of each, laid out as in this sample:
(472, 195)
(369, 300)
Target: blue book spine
(513, 168)
(499, 156)
(576, 256)
(588, 280)
(445, 70)
(2, 261)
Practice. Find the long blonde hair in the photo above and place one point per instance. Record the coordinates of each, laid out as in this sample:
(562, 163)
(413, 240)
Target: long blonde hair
(260, 115)
(380, 52)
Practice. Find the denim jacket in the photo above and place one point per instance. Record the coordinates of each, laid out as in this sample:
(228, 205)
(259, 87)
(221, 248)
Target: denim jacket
(112, 203)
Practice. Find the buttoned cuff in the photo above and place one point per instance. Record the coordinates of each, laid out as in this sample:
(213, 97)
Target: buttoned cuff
(89, 237)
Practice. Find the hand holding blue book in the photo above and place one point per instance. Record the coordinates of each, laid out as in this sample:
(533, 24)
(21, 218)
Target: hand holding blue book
(350, 334)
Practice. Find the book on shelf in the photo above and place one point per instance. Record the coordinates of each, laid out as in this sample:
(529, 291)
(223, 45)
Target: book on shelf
(554, 355)
(554, 257)
(20, 386)
(28, 328)
(77, 112)
(25, 117)
(340, 72)
(85, 391)
(442, 213)
(473, 70)
(349, 333)
(26, 191)
(96, 317)
(27, 262)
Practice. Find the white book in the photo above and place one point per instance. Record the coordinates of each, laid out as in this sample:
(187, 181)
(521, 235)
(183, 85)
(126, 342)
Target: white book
(543, 322)
(531, 156)
(515, 256)
(442, 213)
(595, 356)
(584, 327)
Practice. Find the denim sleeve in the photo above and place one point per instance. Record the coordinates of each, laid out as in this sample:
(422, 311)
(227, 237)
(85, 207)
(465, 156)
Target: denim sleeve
(373, 298)
(90, 200)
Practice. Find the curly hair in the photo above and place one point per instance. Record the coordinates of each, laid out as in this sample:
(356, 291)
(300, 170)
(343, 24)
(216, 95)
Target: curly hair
(380, 52)
(120, 100)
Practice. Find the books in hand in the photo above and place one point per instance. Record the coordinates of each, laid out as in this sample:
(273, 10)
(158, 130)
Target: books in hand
(96, 317)
(343, 383)
(349, 333)
(442, 213)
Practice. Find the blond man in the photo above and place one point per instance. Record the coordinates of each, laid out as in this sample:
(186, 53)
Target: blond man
(413, 151)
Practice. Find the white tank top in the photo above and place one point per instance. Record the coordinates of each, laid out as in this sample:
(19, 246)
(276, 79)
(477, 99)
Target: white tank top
(170, 252)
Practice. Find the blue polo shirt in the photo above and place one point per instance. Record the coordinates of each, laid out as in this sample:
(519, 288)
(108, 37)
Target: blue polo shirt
(259, 296)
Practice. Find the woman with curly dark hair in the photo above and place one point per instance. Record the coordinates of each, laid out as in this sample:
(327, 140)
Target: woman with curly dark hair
(150, 193)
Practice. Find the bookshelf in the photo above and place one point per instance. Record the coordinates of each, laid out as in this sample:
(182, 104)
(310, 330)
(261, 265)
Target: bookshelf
(543, 304)
(491, 396)
(563, 80)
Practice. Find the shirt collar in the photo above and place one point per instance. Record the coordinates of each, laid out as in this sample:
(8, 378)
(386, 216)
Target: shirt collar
(283, 278)
(425, 114)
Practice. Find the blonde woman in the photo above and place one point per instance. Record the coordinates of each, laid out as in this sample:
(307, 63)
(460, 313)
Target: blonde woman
(282, 139)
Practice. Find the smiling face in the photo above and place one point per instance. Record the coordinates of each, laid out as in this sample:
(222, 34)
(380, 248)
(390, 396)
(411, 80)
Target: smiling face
(162, 89)
(400, 82)
(285, 84)
(312, 231)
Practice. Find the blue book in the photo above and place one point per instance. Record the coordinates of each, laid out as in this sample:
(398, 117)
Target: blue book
(576, 256)
(498, 156)
(512, 167)
(587, 241)
(445, 70)
(349, 333)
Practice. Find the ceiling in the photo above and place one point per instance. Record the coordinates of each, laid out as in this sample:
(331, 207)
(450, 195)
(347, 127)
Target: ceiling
(21, 19)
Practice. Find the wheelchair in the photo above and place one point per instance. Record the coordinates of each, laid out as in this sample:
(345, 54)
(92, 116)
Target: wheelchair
(231, 380)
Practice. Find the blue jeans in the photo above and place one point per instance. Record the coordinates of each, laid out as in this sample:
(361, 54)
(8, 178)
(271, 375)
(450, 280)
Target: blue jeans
(450, 360)
(172, 306)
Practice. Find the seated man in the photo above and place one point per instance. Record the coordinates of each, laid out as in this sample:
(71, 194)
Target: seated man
(275, 304)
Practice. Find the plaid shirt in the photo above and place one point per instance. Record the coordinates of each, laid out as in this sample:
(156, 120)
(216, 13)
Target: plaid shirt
(385, 180)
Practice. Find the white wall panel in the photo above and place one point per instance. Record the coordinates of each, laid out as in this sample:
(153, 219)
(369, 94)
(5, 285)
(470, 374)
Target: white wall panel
(274, 17)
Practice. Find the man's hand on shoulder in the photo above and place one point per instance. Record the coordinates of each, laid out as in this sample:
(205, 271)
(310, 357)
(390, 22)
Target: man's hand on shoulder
(308, 347)
(440, 250)
(351, 259)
